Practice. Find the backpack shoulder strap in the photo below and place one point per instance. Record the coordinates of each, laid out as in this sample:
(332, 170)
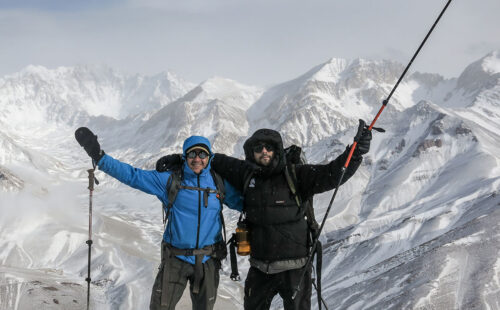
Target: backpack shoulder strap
(306, 203)
(219, 184)
(291, 179)
(172, 188)
(221, 194)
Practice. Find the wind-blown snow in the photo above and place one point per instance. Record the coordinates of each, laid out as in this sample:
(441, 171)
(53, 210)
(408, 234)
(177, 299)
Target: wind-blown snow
(491, 63)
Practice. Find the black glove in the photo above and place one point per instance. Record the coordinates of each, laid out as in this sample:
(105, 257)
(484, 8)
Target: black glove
(363, 138)
(88, 141)
(168, 162)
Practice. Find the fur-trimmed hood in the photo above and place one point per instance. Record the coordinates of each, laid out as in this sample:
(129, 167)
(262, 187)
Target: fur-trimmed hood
(268, 136)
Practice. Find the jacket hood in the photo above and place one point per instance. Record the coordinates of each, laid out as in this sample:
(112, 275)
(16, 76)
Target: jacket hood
(273, 138)
(195, 140)
(192, 141)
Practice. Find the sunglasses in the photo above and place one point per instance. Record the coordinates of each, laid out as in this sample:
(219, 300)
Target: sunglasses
(200, 154)
(259, 147)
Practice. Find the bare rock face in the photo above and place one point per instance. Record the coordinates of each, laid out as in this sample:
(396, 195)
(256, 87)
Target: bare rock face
(400, 146)
(9, 181)
(463, 130)
(426, 144)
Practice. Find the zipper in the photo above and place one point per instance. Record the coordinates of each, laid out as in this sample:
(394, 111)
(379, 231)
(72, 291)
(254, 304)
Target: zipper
(199, 214)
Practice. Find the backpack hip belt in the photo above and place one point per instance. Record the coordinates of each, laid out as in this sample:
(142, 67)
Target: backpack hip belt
(207, 250)
(199, 254)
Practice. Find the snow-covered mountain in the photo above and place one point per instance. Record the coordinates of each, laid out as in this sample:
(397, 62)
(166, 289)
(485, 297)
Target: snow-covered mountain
(66, 95)
(415, 228)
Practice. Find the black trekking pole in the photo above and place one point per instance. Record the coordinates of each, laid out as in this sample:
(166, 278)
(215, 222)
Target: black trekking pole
(92, 180)
(353, 147)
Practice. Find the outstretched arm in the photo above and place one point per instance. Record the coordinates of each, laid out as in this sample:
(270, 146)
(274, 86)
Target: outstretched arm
(231, 169)
(233, 198)
(315, 179)
(150, 182)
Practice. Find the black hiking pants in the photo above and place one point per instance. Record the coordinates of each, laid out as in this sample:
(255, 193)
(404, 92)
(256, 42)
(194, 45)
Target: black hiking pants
(260, 288)
(179, 273)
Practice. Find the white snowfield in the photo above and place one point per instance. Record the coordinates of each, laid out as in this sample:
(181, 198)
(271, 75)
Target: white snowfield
(417, 227)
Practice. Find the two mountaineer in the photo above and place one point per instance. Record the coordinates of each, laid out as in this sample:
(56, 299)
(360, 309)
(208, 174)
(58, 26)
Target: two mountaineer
(192, 246)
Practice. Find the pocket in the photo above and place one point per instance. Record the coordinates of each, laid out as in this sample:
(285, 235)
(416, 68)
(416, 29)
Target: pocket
(282, 212)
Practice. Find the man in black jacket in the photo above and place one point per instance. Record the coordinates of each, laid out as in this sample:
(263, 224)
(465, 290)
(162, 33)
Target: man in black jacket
(278, 228)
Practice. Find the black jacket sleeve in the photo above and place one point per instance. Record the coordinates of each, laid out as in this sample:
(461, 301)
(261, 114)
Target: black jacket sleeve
(231, 169)
(314, 179)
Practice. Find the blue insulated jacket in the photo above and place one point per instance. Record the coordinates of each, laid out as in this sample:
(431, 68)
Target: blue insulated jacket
(191, 225)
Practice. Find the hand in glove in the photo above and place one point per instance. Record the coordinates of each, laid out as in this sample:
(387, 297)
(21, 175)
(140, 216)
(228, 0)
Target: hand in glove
(168, 162)
(88, 141)
(363, 138)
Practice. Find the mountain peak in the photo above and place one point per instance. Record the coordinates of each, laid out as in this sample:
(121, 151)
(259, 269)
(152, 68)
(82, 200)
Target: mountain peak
(228, 91)
(481, 74)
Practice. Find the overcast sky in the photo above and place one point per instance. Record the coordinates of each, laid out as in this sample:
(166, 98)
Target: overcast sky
(257, 42)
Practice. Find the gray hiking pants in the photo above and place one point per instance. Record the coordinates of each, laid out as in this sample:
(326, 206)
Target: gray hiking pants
(179, 273)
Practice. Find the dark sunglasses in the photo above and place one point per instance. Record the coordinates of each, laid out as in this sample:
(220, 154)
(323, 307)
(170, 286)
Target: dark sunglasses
(259, 147)
(200, 154)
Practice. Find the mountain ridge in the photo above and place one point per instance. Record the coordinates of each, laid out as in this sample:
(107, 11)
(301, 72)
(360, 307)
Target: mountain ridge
(426, 192)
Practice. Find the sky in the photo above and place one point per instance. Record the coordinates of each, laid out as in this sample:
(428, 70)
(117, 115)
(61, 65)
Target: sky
(258, 42)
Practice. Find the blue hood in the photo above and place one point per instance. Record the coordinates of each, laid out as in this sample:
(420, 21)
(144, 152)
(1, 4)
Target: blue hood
(191, 141)
(194, 140)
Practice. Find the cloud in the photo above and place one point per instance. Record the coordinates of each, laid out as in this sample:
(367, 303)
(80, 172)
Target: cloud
(57, 5)
(256, 42)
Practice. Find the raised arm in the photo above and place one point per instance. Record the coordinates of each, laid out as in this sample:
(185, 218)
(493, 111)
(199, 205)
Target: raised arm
(313, 179)
(150, 182)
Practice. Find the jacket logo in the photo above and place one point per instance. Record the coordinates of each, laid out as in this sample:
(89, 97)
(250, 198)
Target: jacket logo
(252, 183)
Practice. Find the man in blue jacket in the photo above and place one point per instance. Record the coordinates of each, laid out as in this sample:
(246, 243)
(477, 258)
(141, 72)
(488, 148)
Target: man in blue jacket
(192, 242)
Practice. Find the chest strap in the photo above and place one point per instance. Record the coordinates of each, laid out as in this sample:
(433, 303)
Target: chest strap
(206, 192)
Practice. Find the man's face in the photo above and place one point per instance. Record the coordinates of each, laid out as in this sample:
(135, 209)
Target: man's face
(263, 153)
(195, 162)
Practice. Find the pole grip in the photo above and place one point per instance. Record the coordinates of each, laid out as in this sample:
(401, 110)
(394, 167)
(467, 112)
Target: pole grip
(353, 147)
(91, 179)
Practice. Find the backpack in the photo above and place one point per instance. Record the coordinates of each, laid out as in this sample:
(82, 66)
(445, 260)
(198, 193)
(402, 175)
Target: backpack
(174, 184)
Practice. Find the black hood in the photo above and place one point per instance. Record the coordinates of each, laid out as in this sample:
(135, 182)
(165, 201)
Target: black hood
(273, 138)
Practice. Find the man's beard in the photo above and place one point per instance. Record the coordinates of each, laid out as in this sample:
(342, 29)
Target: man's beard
(265, 160)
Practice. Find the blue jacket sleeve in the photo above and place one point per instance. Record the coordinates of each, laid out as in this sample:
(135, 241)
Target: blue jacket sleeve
(148, 181)
(233, 198)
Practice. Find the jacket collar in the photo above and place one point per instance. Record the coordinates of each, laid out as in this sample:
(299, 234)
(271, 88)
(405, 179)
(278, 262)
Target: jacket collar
(190, 173)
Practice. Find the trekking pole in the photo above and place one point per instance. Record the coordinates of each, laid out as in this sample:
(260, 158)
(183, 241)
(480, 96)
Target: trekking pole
(89, 241)
(353, 147)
